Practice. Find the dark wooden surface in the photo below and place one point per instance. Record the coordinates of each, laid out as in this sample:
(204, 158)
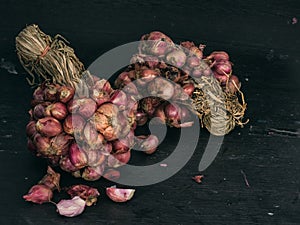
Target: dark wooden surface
(264, 46)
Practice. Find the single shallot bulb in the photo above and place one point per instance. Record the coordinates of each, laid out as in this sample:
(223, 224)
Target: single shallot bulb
(233, 84)
(223, 67)
(38, 94)
(176, 58)
(58, 110)
(93, 173)
(218, 56)
(92, 137)
(39, 194)
(31, 129)
(42, 144)
(119, 159)
(49, 126)
(193, 61)
(39, 111)
(95, 158)
(66, 164)
(149, 144)
(65, 94)
(141, 118)
(100, 91)
(77, 156)
(119, 98)
(119, 194)
(60, 144)
(161, 88)
(83, 106)
(73, 124)
(50, 92)
(188, 88)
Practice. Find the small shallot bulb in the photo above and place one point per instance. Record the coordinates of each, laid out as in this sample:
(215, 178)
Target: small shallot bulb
(120, 145)
(65, 94)
(31, 129)
(161, 88)
(83, 106)
(193, 61)
(60, 144)
(233, 84)
(176, 58)
(119, 194)
(42, 144)
(66, 164)
(149, 144)
(50, 92)
(119, 98)
(92, 137)
(58, 110)
(39, 194)
(141, 118)
(73, 124)
(49, 126)
(218, 56)
(189, 88)
(38, 94)
(119, 159)
(92, 173)
(39, 111)
(77, 156)
(223, 67)
(71, 207)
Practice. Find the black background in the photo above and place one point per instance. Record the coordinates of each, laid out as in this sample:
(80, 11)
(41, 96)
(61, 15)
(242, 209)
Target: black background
(264, 46)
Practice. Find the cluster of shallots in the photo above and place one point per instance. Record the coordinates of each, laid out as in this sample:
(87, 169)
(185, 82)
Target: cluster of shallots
(165, 76)
(86, 131)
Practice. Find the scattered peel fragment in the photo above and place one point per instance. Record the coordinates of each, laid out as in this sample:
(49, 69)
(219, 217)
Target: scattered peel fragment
(51, 179)
(71, 207)
(89, 194)
(119, 194)
(198, 178)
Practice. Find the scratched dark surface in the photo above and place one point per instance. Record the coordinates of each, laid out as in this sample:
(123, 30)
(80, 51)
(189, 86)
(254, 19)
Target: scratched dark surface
(264, 46)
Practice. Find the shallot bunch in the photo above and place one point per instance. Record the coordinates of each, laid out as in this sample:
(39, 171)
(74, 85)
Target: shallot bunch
(81, 131)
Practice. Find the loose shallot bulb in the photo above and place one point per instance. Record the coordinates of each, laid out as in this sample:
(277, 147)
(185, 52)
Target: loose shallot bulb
(39, 194)
(65, 94)
(120, 145)
(95, 158)
(49, 126)
(221, 78)
(149, 144)
(119, 194)
(38, 94)
(193, 61)
(161, 88)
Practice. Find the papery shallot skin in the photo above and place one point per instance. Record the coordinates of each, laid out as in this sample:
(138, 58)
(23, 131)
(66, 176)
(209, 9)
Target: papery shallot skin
(87, 193)
(71, 207)
(51, 179)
